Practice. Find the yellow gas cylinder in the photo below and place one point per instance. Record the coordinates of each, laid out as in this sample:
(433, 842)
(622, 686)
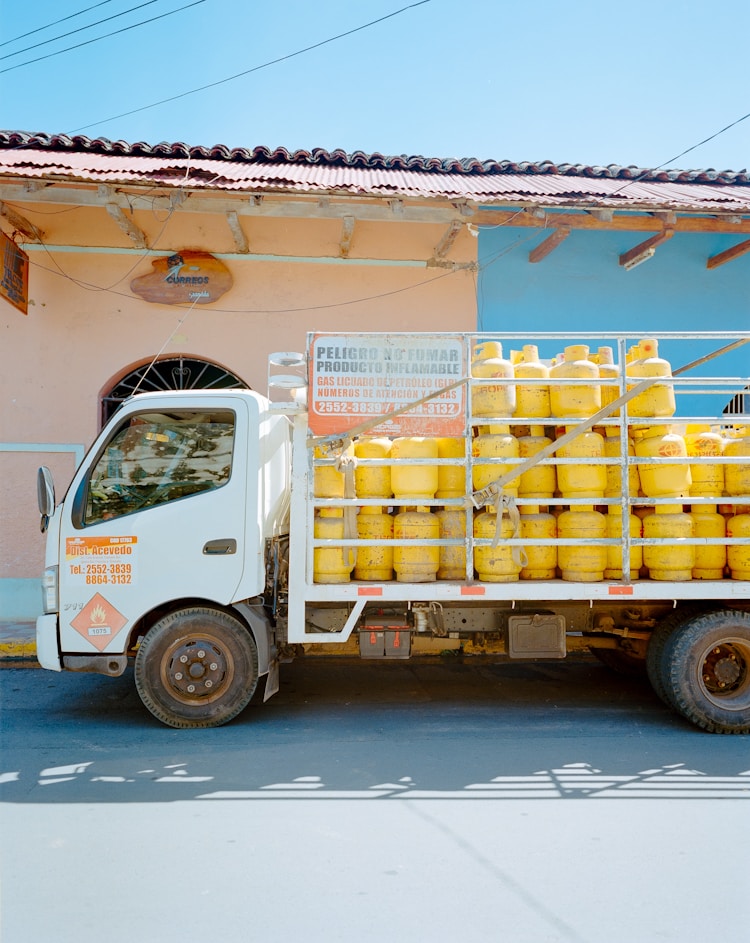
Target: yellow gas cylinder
(327, 481)
(707, 476)
(710, 560)
(582, 481)
(541, 562)
(668, 480)
(608, 370)
(451, 478)
(738, 555)
(541, 480)
(495, 564)
(737, 477)
(331, 564)
(658, 399)
(669, 560)
(498, 443)
(415, 564)
(374, 563)
(452, 560)
(575, 400)
(408, 481)
(492, 399)
(612, 449)
(582, 562)
(372, 481)
(532, 401)
(614, 554)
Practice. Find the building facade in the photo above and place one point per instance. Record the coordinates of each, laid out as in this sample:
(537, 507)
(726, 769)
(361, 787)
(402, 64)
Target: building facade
(175, 267)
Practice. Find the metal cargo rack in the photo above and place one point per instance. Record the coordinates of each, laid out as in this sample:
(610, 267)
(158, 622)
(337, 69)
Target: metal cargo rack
(730, 394)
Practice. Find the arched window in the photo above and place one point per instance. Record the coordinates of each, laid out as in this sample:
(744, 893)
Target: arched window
(170, 373)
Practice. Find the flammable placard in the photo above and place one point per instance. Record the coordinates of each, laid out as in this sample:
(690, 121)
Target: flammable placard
(357, 378)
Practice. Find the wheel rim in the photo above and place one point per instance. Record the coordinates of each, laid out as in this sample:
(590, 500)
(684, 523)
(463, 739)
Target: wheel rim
(197, 670)
(724, 674)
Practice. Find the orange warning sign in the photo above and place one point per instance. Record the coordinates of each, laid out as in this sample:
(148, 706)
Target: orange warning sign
(99, 621)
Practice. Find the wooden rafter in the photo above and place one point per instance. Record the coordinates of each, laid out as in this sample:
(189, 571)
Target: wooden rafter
(126, 224)
(20, 224)
(645, 249)
(238, 234)
(448, 238)
(728, 255)
(347, 234)
(551, 242)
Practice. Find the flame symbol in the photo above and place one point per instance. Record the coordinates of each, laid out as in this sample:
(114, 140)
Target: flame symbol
(98, 615)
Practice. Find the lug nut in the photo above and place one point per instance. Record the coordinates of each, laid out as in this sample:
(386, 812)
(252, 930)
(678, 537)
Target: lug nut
(191, 688)
(201, 654)
(178, 676)
(183, 659)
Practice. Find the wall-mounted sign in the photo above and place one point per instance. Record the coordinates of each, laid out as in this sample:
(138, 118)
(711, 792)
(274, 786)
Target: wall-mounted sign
(14, 281)
(356, 378)
(188, 277)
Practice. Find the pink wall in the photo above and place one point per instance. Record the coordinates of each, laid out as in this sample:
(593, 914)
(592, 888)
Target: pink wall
(85, 326)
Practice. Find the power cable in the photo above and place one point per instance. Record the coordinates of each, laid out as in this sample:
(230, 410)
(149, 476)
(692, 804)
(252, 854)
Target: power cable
(256, 68)
(88, 42)
(687, 150)
(41, 29)
(72, 32)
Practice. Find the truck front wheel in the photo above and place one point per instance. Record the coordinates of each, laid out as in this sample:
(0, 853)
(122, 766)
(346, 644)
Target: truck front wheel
(708, 676)
(196, 667)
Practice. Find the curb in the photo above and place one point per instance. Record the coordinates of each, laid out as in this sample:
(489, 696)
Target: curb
(17, 642)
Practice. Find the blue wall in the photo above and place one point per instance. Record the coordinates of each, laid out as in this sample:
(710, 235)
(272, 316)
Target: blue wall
(580, 287)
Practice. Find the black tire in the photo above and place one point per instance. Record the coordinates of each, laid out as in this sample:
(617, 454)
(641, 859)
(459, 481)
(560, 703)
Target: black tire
(196, 667)
(658, 653)
(708, 680)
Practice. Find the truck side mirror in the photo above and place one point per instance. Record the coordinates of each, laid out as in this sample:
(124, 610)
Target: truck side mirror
(45, 493)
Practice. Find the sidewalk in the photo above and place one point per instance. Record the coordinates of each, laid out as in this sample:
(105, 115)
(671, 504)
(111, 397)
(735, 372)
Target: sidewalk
(18, 643)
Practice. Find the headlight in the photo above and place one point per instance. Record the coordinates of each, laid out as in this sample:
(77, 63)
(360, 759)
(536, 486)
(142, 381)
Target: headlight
(49, 589)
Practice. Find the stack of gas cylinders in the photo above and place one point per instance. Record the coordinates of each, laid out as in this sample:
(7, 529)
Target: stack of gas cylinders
(567, 516)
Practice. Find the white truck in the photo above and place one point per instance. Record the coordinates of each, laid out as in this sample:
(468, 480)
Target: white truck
(197, 535)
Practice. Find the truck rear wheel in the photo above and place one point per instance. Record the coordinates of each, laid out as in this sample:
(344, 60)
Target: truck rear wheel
(196, 667)
(708, 676)
(658, 654)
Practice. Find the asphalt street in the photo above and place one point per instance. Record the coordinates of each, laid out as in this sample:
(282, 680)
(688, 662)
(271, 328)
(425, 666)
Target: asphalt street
(423, 800)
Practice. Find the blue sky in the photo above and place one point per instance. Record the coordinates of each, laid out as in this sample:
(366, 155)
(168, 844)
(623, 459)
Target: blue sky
(578, 82)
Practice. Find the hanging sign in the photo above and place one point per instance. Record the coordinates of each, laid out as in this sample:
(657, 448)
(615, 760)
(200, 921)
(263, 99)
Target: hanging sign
(14, 282)
(187, 277)
(358, 377)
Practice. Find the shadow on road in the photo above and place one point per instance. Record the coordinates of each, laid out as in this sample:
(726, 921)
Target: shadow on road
(465, 729)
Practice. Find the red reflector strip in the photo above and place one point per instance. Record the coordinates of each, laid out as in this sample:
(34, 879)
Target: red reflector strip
(472, 590)
(620, 590)
(369, 590)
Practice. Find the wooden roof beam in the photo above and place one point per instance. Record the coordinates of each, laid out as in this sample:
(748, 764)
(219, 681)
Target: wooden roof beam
(238, 234)
(126, 224)
(449, 237)
(728, 255)
(551, 242)
(644, 250)
(20, 224)
(347, 234)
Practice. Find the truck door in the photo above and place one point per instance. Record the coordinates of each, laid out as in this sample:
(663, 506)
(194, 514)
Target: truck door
(157, 513)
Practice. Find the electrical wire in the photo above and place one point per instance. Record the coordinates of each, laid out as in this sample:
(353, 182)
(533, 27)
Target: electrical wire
(72, 32)
(681, 154)
(257, 68)
(40, 29)
(116, 32)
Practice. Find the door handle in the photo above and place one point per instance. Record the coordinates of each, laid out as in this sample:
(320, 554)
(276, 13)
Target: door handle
(226, 545)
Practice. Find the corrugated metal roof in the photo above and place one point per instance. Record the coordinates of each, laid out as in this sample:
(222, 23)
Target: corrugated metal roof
(261, 169)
